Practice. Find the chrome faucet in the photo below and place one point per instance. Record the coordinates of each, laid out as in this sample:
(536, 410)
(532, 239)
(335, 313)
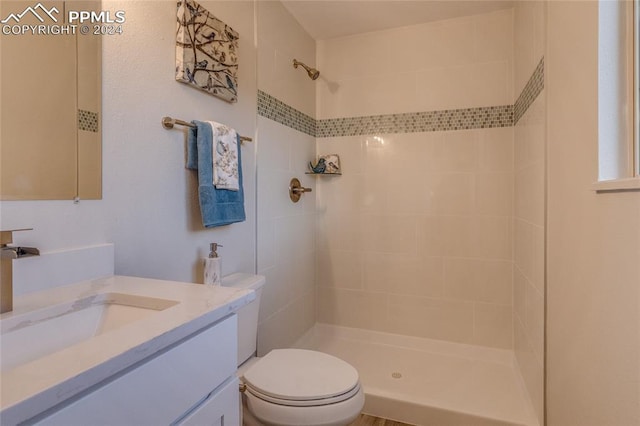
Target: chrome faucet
(7, 254)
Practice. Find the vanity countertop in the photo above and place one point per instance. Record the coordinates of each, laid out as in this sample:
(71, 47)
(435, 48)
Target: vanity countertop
(36, 386)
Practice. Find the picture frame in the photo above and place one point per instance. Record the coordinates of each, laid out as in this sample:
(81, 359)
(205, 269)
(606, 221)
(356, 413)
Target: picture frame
(206, 52)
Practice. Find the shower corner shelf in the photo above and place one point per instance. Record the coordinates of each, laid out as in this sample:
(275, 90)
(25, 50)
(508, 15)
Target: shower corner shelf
(323, 174)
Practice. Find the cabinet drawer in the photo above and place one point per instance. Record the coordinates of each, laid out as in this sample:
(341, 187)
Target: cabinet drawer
(220, 409)
(162, 389)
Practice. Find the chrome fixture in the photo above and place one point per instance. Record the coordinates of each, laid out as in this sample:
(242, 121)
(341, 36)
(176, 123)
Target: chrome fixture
(313, 73)
(296, 190)
(7, 254)
(169, 122)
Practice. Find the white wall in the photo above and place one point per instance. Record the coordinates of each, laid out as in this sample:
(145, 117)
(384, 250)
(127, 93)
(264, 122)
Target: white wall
(56, 224)
(149, 207)
(286, 231)
(152, 198)
(593, 258)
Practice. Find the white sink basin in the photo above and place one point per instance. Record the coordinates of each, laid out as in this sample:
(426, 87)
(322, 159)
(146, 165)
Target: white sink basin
(29, 336)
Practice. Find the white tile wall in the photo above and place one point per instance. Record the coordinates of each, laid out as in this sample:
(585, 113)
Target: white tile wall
(529, 241)
(529, 40)
(286, 236)
(456, 63)
(416, 236)
(286, 231)
(529, 205)
(280, 40)
(413, 220)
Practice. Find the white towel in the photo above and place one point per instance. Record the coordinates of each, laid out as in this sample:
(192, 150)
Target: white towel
(224, 151)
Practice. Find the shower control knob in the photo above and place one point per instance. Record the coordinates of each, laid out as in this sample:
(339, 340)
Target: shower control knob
(296, 190)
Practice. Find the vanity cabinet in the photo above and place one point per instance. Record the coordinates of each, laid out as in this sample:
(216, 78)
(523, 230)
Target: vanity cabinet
(193, 382)
(217, 410)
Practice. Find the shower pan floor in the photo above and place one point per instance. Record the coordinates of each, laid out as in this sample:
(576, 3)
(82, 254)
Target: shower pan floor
(429, 382)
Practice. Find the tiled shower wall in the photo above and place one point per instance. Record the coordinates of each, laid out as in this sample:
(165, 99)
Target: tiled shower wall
(286, 235)
(529, 202)
(416, 236)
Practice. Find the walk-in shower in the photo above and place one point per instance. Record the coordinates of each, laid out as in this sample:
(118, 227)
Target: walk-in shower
(421, 265)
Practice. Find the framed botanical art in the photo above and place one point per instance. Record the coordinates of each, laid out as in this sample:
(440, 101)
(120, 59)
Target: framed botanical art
(206, 52)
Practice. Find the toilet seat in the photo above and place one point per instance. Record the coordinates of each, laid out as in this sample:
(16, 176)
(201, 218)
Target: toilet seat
(301, 378)
(306, 403)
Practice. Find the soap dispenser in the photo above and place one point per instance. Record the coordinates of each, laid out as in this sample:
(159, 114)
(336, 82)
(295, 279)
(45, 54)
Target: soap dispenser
(212, 270)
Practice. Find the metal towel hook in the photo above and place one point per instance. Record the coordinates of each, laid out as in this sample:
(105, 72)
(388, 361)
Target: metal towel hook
(296, 190)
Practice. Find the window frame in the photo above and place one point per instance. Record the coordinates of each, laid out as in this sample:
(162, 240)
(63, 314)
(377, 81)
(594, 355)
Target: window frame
(631, 179)
(635, 69)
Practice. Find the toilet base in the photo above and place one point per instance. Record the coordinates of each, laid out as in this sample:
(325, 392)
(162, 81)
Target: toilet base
(339, 414)
(247, 418)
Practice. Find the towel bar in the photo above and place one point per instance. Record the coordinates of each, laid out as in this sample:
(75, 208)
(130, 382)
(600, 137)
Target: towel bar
(168, 123)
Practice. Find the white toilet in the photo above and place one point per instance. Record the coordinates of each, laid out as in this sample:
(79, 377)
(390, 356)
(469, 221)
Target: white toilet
(291, 387)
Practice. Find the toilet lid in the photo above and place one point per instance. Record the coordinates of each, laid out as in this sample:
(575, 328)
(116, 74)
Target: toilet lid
(301, 375)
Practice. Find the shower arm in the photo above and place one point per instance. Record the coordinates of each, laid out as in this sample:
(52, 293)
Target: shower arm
(311, 72)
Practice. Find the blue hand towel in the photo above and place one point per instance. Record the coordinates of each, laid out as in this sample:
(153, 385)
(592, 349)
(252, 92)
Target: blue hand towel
(218, 206)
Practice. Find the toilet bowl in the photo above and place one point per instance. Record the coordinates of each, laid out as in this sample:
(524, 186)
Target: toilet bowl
(300, 387)
(291, 387)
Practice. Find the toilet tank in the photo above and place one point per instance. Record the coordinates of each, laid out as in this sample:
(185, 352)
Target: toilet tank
(248, 314)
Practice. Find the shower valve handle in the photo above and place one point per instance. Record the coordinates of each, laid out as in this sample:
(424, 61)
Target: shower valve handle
(301, 190)
(296, 190)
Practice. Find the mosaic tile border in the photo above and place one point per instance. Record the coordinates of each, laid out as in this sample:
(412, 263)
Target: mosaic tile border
(276, 110)
(88, 120)
(530, 92)
(427, 121)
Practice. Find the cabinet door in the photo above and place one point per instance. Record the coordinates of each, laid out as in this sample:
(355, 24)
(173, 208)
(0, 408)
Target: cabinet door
(221, 408)
(162, 389)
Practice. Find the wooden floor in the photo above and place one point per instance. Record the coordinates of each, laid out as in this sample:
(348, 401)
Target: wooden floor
(367, 420)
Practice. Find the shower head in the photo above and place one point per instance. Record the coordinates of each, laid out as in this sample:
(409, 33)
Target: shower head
(313, 73)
